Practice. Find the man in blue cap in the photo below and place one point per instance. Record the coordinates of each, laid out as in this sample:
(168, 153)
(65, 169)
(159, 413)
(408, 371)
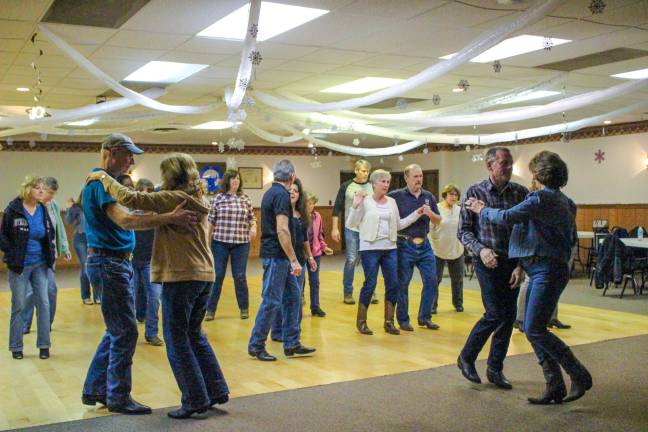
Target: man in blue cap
(109, 229)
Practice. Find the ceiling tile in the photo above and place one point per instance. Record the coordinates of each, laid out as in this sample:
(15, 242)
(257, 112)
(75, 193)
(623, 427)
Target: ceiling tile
(11, 45)
(209, 45)
(335, 56)
(15, 29)
(24, 10)
(147, 40)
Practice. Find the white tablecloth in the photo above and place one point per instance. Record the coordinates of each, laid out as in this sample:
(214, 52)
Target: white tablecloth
(636, 243)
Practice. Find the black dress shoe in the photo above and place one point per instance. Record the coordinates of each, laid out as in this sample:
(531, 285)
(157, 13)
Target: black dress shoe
(185, 413)
(88, 399)
(498, 378)
(17, 355)
(434, 311)
(262, 355)
(318, 312)
(406, 326)
(468, 370)
(220, 400)
(299, 350)
(558, 324)
(131, 407)
(44, 353)
(427, 323)
(459, 308)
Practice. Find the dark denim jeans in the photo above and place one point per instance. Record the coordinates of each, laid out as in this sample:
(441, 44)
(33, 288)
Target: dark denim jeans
(80, 244)
(32, 276)
(239, 253)
(277, 324)
(500, 302)
(421, 256)
(110, 370)
(387, 261)
(151, 292)
(190, 355)
(548, 278)
(280, 294)
(52, 295)
(313, 284)
(456, 271)
(352, 257)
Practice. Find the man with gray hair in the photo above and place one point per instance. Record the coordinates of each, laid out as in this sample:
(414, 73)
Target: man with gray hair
(280, 293)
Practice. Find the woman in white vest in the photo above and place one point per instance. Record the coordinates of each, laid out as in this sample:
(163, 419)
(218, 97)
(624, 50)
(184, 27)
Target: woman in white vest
(447, 247)
(378, 221)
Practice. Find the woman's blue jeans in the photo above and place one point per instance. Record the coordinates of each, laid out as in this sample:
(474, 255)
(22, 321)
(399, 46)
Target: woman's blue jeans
(36, 277)
(387, 261)
(190, 355)
(222, 252)
(80, 245)
(548, 278)
(151, 291)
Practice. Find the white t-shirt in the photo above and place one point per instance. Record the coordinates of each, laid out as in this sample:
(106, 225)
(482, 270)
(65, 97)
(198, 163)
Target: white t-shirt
(445, 243)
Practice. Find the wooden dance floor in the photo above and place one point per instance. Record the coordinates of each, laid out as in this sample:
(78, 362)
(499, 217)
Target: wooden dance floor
(35, 392)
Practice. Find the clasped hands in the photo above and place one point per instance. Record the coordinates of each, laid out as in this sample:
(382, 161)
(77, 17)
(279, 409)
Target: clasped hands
(474, 205)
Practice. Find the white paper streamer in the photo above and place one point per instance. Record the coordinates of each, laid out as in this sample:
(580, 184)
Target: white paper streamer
(484, 42)
(110, 82)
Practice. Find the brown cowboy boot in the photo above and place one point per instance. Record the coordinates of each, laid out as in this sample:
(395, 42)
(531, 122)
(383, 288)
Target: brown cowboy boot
(361, 320)
(389, 318)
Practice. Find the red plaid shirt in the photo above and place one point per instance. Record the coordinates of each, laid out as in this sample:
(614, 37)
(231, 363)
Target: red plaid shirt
(233, 218)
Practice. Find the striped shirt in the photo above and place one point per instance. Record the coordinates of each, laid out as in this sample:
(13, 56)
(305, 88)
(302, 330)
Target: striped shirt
(476, 234)
(232, 217)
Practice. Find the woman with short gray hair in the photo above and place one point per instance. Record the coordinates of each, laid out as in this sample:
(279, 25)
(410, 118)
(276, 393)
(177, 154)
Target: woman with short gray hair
(378, 221)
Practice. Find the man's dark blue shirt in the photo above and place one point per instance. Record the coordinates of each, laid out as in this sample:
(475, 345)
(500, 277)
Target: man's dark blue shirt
(407, 203)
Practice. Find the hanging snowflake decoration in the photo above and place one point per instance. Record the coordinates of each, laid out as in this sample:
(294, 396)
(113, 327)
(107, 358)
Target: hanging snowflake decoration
(254, 30)
(255, 57)
(597, 7)
(382, 161)
(401, 104)
(330, 153)
(564, 138)
(356, 142)
(43, 136)
(236, 143)
(248, 102)
(547, 43)
(425, 150)
(243, 83)
(401, 158)
(497, 66)
(436, 99)
(599, 156)
(463, 85)
(32, 143)
(221, 147)
(231, 163)
(396, 139)
(9, 141)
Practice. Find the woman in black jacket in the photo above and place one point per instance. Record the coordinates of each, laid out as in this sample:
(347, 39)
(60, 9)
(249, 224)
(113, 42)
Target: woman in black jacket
(27, 240)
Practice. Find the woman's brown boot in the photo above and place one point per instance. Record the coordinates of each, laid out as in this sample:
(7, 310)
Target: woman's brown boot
(361, 321)
(389, 318)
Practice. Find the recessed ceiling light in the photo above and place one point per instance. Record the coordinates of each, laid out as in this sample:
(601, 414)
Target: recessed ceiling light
(362, 85)
(539, 94)
(638, 74)
(213, 125)
(86, 122)
(324, 131)
(512, 47)
(458, 90)
(164, 72)
(274, 19)
(22, 89)
(607, 121)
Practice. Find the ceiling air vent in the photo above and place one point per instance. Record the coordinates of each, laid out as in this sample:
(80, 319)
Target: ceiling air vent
(93, 13)
(596, 59)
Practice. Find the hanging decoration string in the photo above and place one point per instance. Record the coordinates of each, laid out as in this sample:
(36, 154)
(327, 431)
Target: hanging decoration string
(538, 10)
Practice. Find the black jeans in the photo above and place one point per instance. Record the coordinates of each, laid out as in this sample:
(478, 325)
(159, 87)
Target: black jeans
(456, 270)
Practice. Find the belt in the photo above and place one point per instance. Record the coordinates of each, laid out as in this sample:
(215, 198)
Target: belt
(109, 253)
(416, 240)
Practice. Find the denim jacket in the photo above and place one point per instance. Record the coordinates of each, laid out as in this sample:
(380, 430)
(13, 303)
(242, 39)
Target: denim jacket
(544, 225)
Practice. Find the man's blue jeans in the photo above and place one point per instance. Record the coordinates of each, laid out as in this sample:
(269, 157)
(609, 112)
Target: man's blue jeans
(52, 294)
(239, 253)
(32, 276)
(548, 278)
(277, 324)
(421, 256)
(280, 294)
(500, 302)
(152, 292)
(313, 283)
(352, 257)
(387, 261)
(110, 370)
(190, 355)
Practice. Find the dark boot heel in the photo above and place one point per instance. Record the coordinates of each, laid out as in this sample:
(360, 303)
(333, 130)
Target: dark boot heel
(555, 389)
(581, 379)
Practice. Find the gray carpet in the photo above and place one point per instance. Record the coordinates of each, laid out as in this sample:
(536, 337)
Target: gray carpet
(431, 400)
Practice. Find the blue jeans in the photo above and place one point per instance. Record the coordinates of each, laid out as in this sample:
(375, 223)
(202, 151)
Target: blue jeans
(152, 292)
(313, 283)
(32, 276)
(190, 355)
(52, 294)
(387, 261)
(421, 256)
(239, 253)
(80, 244)
(109, 373)
(548, 278)
(280, 294)
(352, 257)
(500, 302)
(277, 324)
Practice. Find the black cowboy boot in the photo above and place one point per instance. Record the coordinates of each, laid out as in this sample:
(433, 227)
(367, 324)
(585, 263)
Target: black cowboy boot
(555, 389)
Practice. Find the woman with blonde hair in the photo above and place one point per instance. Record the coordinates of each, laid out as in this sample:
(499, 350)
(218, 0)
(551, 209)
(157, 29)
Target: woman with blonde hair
(27, 240)
(182, 261)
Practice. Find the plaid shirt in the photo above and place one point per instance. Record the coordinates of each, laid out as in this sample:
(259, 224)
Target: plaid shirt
(233, 218)
(476, 235)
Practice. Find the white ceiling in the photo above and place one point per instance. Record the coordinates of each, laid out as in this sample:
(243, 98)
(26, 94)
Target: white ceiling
(358, 38)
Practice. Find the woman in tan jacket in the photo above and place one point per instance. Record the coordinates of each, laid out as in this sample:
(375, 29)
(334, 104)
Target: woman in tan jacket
(182, 261)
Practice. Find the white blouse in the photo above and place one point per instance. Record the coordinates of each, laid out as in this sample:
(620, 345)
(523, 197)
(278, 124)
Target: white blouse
(445, 243)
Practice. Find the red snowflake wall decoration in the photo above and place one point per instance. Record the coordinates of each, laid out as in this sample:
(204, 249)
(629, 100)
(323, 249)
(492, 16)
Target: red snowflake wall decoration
(599, 156)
